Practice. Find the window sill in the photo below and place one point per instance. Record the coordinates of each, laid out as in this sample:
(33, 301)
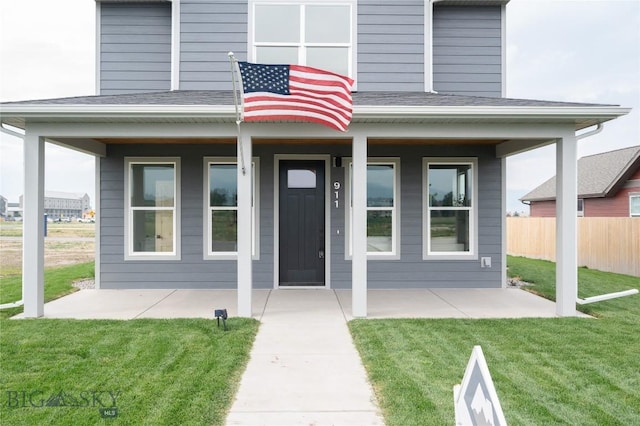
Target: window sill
(152, 257)
(438, 257)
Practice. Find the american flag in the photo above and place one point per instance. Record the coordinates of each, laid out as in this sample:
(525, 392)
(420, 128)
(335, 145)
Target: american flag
(295, 92)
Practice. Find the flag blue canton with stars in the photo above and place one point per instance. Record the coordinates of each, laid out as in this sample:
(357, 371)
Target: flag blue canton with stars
(261, 78)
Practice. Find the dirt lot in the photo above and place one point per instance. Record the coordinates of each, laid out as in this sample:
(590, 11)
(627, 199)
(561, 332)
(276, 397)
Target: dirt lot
(66, 243)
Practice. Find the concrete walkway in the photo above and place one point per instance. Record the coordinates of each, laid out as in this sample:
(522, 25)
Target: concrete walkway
(304, 368)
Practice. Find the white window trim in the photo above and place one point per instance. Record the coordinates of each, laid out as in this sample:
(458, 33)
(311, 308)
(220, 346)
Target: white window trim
(128, 224)
(633, 195)
(255, 211)
(395, 221)
(472, 254)
(353, 52)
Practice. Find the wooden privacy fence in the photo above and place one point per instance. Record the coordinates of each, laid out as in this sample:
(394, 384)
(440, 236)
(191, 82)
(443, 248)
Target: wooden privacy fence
(609, 244)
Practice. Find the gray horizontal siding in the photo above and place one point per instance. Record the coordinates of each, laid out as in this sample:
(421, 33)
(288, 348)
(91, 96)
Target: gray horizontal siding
(467, 50)
(208, 31)
(391, 46)
(135, 47)
(192, 271)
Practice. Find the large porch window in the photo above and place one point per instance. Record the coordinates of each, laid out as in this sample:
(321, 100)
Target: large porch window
(303, 32)
(383, 207)
(221, 208)
(152, 199)
(449, 204)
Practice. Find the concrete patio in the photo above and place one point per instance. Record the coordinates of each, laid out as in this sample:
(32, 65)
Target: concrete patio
(418, 303)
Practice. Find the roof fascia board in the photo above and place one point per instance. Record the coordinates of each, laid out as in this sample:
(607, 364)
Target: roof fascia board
(95, 130)
(363, 111)
(471, 2)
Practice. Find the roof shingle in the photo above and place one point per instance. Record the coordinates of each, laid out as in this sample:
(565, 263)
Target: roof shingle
(597, 175)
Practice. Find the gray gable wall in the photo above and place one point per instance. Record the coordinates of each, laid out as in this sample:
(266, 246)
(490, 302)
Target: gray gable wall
(391, 45)
(209, 30)
(135, 47)
(467, 50)
(467, 46)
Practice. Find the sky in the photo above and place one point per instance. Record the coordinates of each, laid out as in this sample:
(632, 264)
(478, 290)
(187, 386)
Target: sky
(559, 50)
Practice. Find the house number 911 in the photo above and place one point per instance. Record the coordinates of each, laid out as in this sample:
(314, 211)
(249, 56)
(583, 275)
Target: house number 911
(336, 186)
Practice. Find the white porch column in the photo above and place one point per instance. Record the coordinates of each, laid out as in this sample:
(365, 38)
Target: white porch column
(503, 225)
(566, 225)
(33, 226)
(359, 228)
(245, 226)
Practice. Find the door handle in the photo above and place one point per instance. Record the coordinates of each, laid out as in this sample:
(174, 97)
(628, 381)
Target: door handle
(321, 254)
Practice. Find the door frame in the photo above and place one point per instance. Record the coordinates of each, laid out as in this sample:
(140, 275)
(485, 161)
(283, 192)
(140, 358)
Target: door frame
(276, 217)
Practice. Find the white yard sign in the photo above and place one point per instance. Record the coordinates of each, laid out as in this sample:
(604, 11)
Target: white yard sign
(475, 400)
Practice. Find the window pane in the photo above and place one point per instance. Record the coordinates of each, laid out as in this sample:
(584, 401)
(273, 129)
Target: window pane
(277, 23)
(152, 185)
(379, 231)
(334, 59)
(635, 205)
(450, 185)
(277, 55)
(328, 24)
(152, 231)
(301, 178)
(223, 185)
(224, 230)
(449, 230)
(380, 185)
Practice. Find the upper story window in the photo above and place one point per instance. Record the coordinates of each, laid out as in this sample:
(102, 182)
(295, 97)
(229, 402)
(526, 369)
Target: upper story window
(450, 208)
(314, 33)
(152, 200)
(580, 207)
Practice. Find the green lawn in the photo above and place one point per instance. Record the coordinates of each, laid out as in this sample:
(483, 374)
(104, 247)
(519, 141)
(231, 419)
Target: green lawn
(57, 284)
(155, 372)
(546, 371)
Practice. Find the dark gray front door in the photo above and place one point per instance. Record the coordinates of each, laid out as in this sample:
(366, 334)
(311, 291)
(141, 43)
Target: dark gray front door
(302, 223)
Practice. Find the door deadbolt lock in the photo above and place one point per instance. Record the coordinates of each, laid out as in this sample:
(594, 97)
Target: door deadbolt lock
(321, 254)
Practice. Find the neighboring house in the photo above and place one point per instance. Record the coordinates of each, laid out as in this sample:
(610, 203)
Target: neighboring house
(608, 186)
(425, 154)
(4, 206)
(64, 204)
(14, 211)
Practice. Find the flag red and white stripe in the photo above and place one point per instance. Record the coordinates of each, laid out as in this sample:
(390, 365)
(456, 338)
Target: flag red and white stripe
(295, 92)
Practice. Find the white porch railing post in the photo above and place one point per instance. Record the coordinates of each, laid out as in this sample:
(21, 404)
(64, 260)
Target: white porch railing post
(359, 228)
(566, 225)
(33, 226)
(245, 226)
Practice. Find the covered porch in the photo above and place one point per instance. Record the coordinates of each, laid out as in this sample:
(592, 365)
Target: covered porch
(505, 126)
